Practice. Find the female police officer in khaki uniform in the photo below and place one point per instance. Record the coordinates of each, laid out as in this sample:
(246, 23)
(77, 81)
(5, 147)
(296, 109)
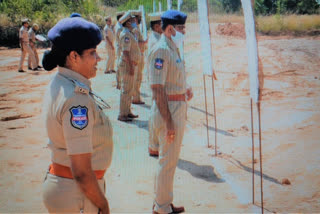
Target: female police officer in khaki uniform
(80, 135)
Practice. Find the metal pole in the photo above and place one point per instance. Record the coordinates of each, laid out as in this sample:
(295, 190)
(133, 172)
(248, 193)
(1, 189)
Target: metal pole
(154, 6)
(205, 98)
(215, 118)
(252, 140)
(260, 149)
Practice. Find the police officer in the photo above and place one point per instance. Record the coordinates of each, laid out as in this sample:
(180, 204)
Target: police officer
(138, 76)
(32, 41)
(129, 58)
(168, 84)
(156, 31)
(118, 29)
(109, 37)
(80, 135)
(25, 47)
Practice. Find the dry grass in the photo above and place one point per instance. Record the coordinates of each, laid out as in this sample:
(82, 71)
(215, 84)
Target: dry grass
(275, 24)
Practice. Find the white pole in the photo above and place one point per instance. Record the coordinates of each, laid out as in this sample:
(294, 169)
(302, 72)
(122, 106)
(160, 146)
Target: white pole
(144, 25)
(179, 4)
(160, 6)
(154, 6)
(169, 4)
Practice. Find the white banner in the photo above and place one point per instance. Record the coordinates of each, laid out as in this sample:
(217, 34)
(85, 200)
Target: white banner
(205, 37)
(144, 25)
(252, 48)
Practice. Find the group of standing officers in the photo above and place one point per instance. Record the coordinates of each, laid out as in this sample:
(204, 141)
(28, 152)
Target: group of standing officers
(80, 134)
(27, 42)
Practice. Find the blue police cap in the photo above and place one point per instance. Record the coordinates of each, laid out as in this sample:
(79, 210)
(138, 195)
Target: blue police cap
(75, 34)
(173, 17)
(75, 15)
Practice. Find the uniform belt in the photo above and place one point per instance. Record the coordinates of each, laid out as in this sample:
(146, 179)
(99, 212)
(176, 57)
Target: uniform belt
(176, 97)
(65, 172)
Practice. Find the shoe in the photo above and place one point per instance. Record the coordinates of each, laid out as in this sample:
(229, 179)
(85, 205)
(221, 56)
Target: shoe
(139, 102)
(39, 66)
(29, 68)
(113, 71)
(124, 118)
(177, 209)
(153, 153)
(132, 115)
(21, 71)
(174, 209)
(107, 72)
(36, 69)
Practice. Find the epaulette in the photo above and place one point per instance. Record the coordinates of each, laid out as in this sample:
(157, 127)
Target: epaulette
(80, 87)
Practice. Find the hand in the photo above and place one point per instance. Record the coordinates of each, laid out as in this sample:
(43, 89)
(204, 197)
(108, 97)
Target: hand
(189, 94)
(170, 132)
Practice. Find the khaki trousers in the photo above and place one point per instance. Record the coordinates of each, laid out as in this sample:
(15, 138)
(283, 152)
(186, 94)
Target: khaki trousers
(63, 195)
(110, 58)
(127, 82)
(27, 50)
(35, 52)
(153, 140)
(168, 154)
(138, 79)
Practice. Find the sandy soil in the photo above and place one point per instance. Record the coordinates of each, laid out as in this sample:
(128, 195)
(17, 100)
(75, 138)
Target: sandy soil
(290, 115)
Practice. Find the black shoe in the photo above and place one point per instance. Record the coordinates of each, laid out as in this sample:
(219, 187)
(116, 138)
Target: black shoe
(132, 115)
(29, 68)
(36, 69)
(39, 66)
(124, 119)
(21, 71)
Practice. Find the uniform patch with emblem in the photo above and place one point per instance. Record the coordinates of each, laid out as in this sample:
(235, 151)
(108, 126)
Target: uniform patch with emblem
(158, 64)
(79, 117)
(126, 39)
(178, 60)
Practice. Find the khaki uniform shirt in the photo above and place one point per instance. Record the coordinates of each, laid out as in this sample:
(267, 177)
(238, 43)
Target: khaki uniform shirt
(23, 33)
(108, 32)
(129, 43)
(32, 36)
(166, 67)
(137, 34)
(153, 39)
(75, 122)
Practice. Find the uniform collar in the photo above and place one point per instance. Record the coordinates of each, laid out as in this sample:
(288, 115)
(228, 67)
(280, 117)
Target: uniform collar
(156, 34)
(74, 75)
(169, 42)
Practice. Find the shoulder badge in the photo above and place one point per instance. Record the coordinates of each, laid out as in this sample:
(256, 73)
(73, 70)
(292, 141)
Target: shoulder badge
(81, 88)
(158, 64)
(79, 117)
(126, 39)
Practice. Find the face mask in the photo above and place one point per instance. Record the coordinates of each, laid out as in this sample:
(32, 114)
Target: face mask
(134, 25)
(178, 39)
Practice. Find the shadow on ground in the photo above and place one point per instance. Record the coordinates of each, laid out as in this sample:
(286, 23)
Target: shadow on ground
(204, 172)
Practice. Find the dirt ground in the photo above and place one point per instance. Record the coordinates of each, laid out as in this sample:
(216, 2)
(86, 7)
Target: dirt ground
(290, 122)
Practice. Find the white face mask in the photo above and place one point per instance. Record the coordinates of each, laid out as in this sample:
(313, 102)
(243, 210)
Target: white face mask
(178, 38)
